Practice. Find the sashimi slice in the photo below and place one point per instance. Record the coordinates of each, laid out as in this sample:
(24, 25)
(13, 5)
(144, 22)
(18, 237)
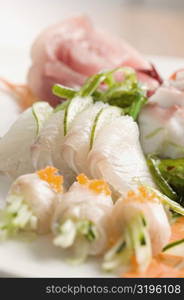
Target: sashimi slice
(15, 153)
(161, 130)
(69, 52)
(117, 157)
(76, 144)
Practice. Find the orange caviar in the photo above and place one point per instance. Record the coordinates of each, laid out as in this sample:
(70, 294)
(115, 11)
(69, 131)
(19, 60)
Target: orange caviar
(49, 174)
(96, 185)
(82, 179)
(143, 195)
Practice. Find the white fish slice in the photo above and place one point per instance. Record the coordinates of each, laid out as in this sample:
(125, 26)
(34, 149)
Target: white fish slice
(15, 155)
(167, 96)
(76, 144)
(162, 130)
(47, 148)
(117, 157)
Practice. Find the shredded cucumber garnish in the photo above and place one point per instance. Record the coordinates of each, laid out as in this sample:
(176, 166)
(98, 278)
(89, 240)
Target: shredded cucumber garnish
(16, 217)
(125, 92)
(154, 133)
(87, 229)
(91, 84)
(93, 130)
(176, 207)
(70, 230)
(141, 241)
(173, 171)
(66, 234)
(74, 107)
(163, 185)
(103, 117)
(63, 91)
(120, 254)
(41, 111)
(62, 106)
(135, 241)
(175, 245)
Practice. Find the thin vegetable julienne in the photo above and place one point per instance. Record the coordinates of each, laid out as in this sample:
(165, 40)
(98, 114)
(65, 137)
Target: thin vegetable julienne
(173, 171)
(159, 179)
(63, 91)
(126, 93)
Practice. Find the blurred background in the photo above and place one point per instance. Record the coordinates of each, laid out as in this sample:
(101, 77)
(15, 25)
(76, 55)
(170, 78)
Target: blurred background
(152, 26)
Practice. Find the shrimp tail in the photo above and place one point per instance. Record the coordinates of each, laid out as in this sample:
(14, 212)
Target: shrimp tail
(20, 92)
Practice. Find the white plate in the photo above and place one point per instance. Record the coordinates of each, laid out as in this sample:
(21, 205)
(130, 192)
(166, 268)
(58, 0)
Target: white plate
(39, 258)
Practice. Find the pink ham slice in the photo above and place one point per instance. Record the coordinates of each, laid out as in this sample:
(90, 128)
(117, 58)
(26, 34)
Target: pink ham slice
(69, 52)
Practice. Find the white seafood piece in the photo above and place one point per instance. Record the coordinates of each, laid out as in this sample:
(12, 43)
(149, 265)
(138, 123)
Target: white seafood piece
(167, 96)
(15, 154)
(76, 144)
(46, 149)
(74, 49)
(139, 226)
(177, 80)
(155, 215)
(30, 205)
(162, 130)
(117, 157)
(80, 208)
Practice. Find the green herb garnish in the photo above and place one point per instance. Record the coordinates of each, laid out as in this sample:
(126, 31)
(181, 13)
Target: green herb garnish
(160, 181)
(125, 92)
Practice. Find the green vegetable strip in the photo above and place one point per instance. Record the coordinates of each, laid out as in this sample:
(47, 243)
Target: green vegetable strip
(67, 232)
(62, 106)
(159, 179)
(87, 229)
(173, 244)
(173, 205)
(126, 93)
(91, 85)
(94, 128)
(139, 232)
(65, 117)
(135, 241)
(136, 106)
(94, 81)
(63, 91)
(119, 95)
(173, 171)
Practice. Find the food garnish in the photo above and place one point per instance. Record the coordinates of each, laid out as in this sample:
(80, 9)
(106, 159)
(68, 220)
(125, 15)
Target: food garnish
(51, 176)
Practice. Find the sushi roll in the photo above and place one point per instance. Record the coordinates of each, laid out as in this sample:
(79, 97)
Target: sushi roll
(31, 202)
(139, 229)
(79, 222)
